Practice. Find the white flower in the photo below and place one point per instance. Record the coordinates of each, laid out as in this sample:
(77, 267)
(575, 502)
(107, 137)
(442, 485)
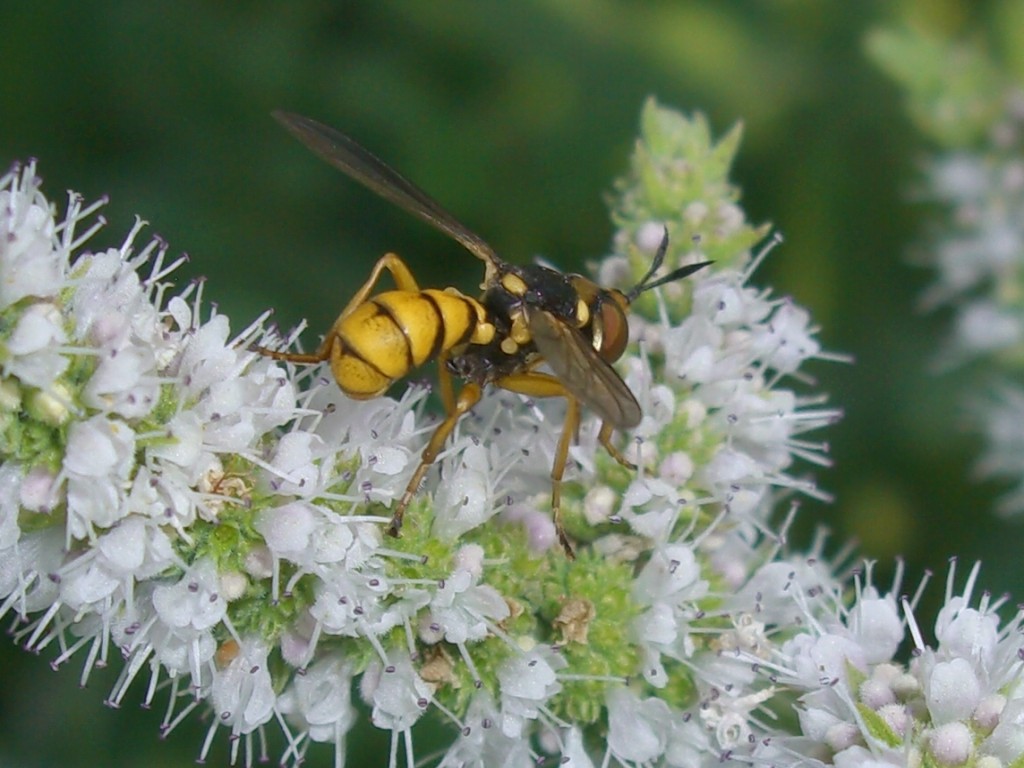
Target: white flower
(461, 609)
(465, 500)
(482, 744)
(241, 693)
(947, 704)
(730, 718)
(98, 462)
(876, 624)
(317, 701)
(975, 248)
(638, 729)
(33, 347)
(397, 694)
(1007, 740)
(192, 604)
(10, 483)
(32, 266)
(527, 681)
(952, 690)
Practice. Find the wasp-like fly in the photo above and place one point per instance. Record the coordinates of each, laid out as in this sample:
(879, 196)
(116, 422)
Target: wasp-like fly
(525, 317)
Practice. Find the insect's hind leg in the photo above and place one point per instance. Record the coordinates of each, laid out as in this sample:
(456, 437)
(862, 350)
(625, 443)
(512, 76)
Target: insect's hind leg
(404, 281)
(399, 271)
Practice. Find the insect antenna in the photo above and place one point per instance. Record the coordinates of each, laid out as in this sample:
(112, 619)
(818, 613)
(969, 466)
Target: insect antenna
(647, 284)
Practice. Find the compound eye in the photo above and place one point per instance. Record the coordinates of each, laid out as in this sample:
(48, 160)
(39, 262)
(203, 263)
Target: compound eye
(614, 331)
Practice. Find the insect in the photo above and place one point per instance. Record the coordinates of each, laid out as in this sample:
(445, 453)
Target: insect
(525, 316)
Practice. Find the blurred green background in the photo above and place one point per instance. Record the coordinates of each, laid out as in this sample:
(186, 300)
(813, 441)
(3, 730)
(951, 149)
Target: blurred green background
(517, 116)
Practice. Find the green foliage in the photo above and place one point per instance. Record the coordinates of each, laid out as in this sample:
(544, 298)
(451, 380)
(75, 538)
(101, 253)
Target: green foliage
(954, 91)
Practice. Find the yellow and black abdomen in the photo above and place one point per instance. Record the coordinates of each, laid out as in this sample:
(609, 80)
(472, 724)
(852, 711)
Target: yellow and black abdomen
(387, 336)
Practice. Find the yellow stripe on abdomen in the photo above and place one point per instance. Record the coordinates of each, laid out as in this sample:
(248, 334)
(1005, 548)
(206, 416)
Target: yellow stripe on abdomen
(396, 331)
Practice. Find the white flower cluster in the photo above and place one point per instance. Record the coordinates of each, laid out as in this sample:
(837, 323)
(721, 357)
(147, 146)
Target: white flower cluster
(135, 436)
(172, 496)
(958, 703)
(965, 98)
(978, 255)
(121, 420)
(977, 252)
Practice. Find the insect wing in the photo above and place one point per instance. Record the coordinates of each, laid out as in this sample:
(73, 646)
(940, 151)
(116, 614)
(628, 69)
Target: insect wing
(354, 160)
(583, 372)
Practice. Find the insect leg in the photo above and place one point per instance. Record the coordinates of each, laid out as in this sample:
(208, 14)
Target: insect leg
(572, 423)
(404, 281)
(468, 397)
(604, 437)
(400, 273)
(444, 384)
(544, 385)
